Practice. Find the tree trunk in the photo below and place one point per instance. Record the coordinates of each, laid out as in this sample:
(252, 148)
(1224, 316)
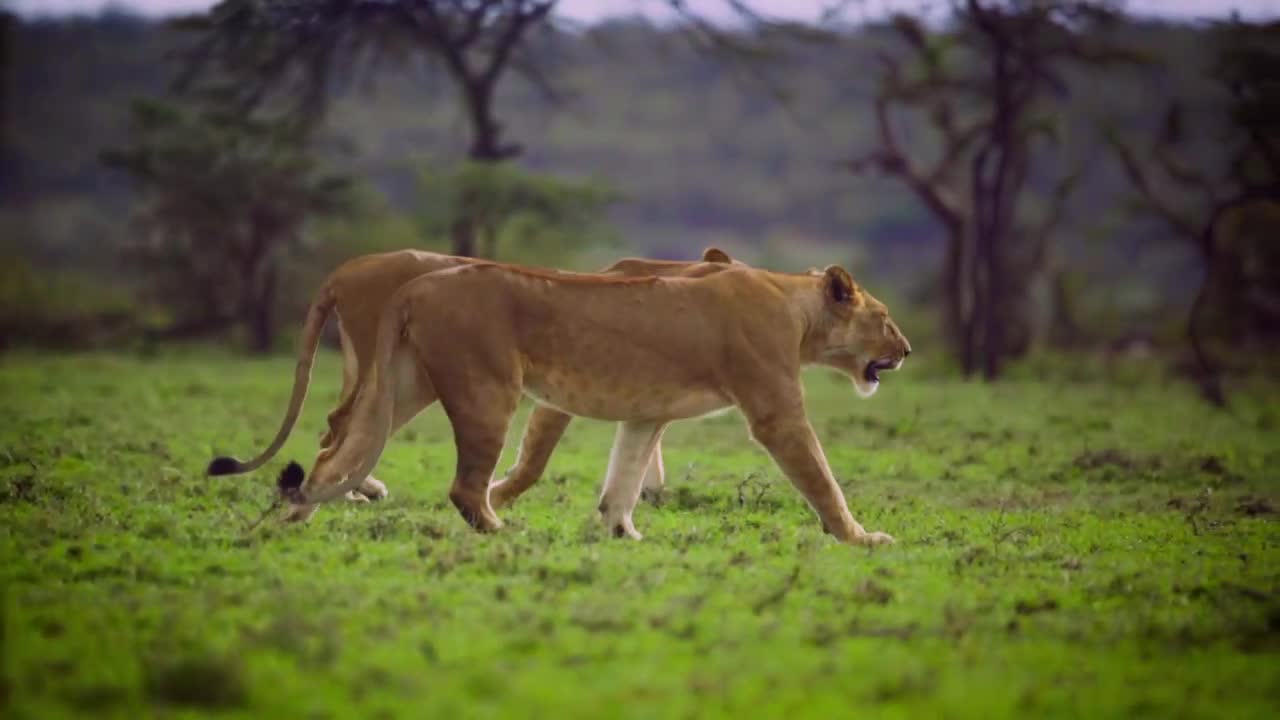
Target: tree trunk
(972, 292)
(7, 25)
(1208, 376)
(993, 333)
(1064, 331)
(996, 179)
(486, 132)
(953, 314)
(962, 296)
(488, 241)
(993, 228)
(262, 318)
(462, 237)
(486, 147)
(258, 283)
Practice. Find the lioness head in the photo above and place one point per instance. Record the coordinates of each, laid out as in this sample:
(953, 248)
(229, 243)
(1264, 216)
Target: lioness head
(716, 255)
(856, 335)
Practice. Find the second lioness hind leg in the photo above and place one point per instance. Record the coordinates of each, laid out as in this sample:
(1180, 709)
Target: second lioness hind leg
(655, 474)
(410, 400)
(546, 427)
(336, 421)
(413, 393)
(337, 418)
(631, 454)
(355, 453)
(372, 488)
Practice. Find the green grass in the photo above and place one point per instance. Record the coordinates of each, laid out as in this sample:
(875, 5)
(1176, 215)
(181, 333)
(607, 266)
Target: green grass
(1067, 549)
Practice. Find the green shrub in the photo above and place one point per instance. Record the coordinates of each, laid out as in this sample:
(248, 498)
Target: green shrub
(63, 309)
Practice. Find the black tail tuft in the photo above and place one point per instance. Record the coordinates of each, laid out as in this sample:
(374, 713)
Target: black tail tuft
(291, 477)
(224, 466)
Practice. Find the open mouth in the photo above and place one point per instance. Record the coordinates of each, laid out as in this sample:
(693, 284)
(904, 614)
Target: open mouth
(872, 373)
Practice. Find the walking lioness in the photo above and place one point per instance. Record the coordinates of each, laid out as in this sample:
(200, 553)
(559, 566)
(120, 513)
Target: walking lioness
(357, 292)
(642, 352)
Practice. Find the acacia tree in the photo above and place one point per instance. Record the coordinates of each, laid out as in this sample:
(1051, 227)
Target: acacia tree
(224, 201)
(1195, 199)
(302, 48)
(497, 198)
(984, 88)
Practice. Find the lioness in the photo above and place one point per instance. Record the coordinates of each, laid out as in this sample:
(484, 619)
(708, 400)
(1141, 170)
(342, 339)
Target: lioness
(642, 352)
(357, 292)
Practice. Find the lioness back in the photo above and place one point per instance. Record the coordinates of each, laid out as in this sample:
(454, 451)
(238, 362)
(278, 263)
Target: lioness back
(362, 287)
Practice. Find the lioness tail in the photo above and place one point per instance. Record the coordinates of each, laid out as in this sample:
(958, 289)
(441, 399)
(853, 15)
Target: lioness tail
(317, 315)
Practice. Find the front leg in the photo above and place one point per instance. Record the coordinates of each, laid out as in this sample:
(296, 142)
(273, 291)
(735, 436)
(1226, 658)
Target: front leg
(785, 432)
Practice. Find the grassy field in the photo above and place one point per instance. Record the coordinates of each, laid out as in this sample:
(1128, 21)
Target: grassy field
(1069, 549)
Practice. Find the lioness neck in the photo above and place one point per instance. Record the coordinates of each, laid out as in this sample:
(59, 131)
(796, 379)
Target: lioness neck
(804, 299)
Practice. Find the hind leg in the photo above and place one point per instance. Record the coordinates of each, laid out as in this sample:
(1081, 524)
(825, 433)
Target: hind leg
(370, 488)
(480, 412)
(408, 403)
(407, 408)
(358, 449)
(338, 416)
(350, 384)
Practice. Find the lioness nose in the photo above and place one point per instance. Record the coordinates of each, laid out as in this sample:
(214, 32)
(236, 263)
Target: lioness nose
(906, 353)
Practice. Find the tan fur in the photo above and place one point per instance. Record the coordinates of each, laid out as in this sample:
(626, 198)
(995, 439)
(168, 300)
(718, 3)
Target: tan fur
(358, 291)
(642, 352)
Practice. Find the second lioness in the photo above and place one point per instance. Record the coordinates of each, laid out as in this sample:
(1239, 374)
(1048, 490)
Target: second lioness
(358, 291)
(642, 352)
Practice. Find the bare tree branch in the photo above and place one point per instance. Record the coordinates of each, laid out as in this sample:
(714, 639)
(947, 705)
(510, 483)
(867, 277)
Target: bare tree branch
(521, 16)
(890, 159)
(1184, 224)
(1042, 233)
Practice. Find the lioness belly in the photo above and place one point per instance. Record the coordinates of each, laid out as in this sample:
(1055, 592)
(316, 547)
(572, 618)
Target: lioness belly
(620, 399)
(620, 353)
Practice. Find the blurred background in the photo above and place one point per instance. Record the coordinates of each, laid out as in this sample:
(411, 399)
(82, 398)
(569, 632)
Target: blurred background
(1032, 186)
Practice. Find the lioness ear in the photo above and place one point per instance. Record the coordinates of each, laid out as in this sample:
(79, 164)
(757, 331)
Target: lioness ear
(839, 286)
(716, 255)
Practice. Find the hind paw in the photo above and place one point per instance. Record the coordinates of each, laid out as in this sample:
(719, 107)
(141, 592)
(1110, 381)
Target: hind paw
(373, 489)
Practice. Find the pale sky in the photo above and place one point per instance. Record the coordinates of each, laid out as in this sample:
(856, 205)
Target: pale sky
(588, 10)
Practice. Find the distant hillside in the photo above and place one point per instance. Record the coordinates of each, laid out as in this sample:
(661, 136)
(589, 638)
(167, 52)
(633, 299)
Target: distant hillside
(702, 151)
